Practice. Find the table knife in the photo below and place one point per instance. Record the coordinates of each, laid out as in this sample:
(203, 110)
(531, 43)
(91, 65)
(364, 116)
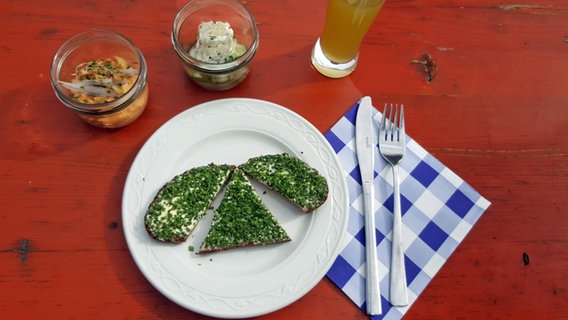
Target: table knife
(366, 148)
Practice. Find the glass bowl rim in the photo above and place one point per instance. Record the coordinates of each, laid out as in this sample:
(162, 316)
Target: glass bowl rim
(90, 36)
(205, 67)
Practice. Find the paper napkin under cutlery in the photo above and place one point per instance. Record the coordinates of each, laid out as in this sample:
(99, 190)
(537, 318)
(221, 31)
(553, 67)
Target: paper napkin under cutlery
(438, 207)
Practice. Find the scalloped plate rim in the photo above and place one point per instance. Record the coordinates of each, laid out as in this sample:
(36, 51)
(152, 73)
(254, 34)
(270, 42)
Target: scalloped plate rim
(133, 196)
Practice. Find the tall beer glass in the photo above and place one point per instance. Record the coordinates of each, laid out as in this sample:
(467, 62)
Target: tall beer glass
(346, 23)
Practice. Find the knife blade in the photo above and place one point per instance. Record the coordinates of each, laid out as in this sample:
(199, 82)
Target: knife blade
(366, 148)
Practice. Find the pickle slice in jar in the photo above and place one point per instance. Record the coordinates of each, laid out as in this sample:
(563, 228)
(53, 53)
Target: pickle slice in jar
(240, 49)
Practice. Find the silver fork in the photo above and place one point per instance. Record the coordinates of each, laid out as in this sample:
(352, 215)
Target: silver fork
(391, 146)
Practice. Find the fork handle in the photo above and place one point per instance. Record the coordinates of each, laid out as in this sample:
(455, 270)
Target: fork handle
(398, 291)
(373, 293)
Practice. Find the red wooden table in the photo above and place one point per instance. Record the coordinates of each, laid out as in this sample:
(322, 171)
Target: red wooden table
(496, 112)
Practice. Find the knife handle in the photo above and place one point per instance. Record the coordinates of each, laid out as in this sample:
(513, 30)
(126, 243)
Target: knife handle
(373, 293)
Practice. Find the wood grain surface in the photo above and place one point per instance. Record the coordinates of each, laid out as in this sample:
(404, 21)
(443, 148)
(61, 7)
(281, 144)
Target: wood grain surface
(494, 109)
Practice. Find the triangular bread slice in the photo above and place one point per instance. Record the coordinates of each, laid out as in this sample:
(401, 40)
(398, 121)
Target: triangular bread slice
(291, 177)
(242, 219)
(181, 203)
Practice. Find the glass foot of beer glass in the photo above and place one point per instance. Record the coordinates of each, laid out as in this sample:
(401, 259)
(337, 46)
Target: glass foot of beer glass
(346, 23)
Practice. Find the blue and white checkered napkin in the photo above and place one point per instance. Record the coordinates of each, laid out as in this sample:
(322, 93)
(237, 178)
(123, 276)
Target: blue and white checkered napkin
(438, 210)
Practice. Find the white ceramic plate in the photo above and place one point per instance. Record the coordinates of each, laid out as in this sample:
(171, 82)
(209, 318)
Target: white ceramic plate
(242, 282)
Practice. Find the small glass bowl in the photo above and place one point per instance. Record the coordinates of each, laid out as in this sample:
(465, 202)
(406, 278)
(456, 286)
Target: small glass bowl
(90, 46)
(215, 76)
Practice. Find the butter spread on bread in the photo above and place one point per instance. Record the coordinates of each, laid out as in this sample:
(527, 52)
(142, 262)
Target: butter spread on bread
(291, 177)
(181, 203)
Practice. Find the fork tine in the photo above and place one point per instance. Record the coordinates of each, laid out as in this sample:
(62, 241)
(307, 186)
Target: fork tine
(399, 125)
(386, 123)
(383, 127)
(394, 123)
(401, 131)
(390, 124)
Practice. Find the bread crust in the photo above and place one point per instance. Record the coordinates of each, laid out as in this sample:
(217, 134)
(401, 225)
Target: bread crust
(211, 250)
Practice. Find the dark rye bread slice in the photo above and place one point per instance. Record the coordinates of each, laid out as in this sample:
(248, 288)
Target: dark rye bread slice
(291, 177)
(242, 219)
(181, 203)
